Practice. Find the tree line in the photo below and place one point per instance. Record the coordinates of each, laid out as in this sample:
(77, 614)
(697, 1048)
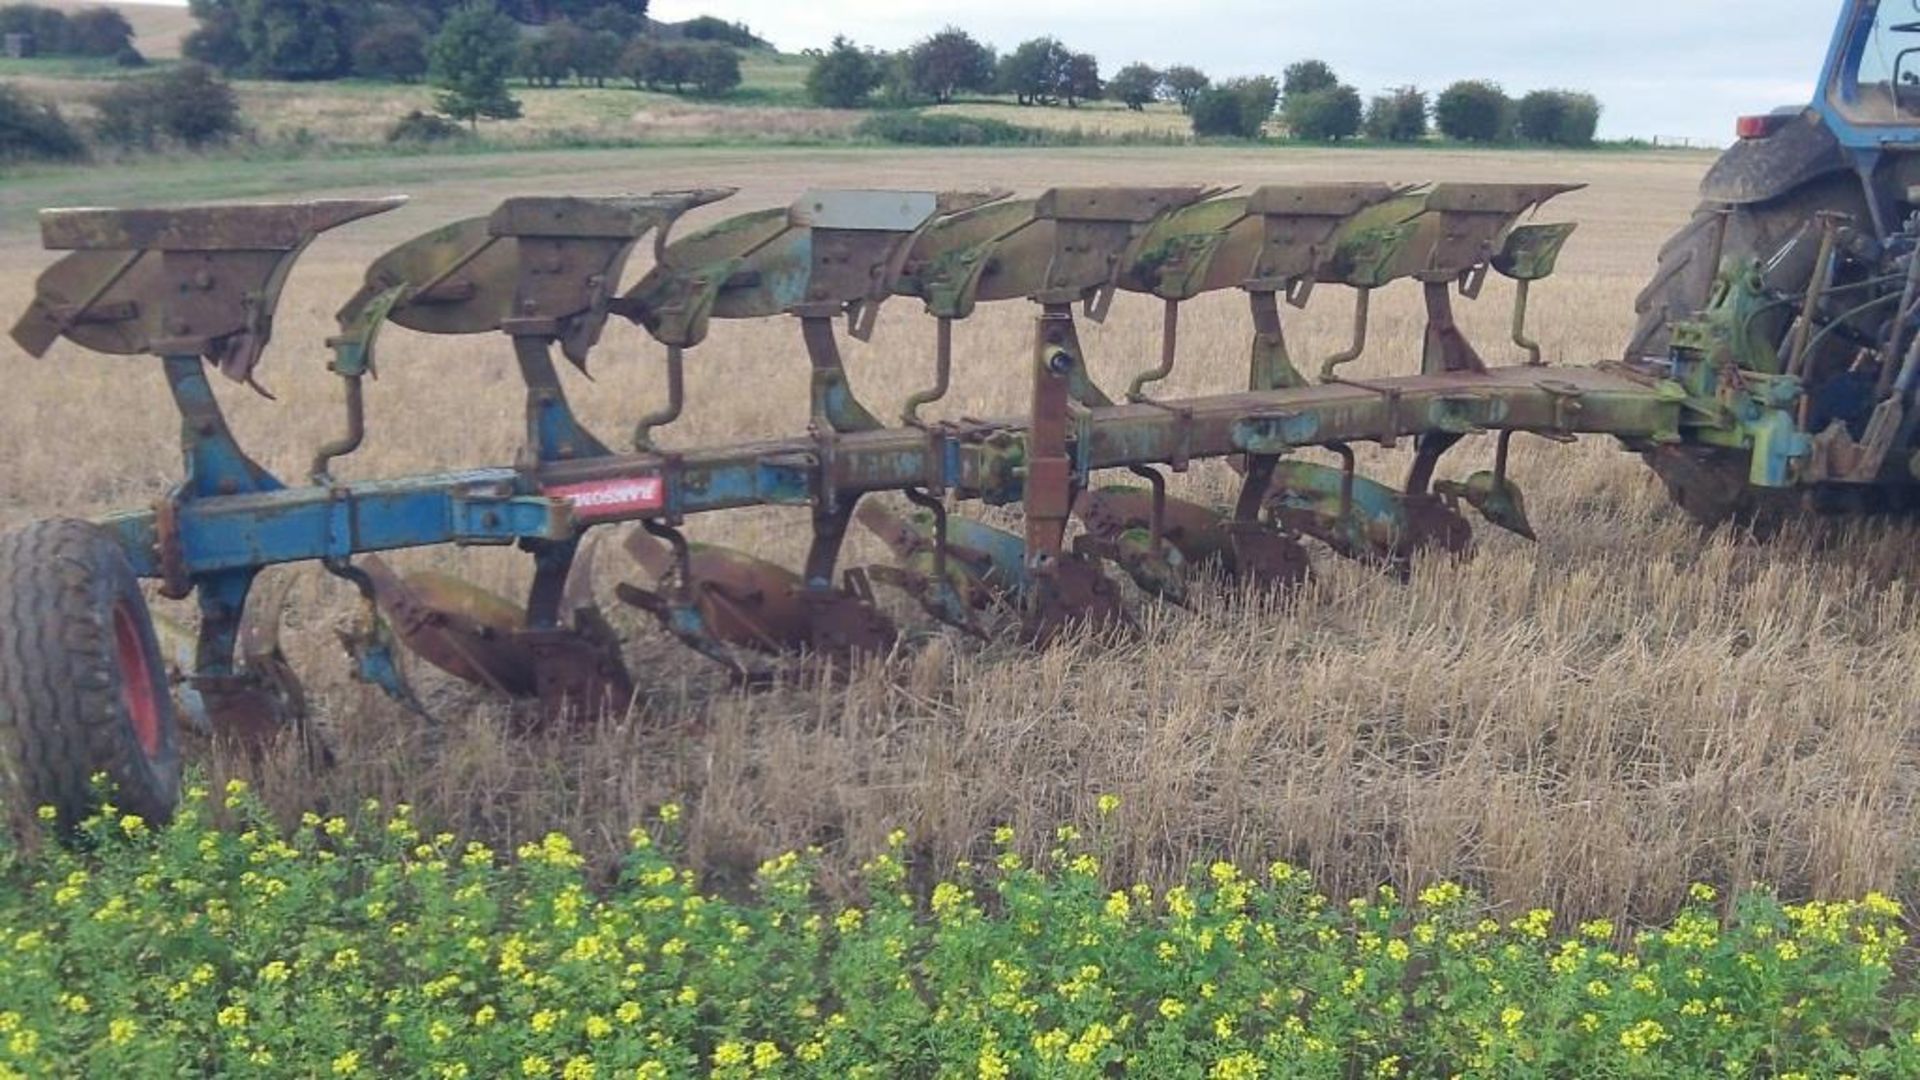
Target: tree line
(90, 31)
(1309, 99)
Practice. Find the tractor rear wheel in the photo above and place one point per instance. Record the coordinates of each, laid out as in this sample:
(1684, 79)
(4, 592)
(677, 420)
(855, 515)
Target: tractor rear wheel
(83, 688)
(1711, 484)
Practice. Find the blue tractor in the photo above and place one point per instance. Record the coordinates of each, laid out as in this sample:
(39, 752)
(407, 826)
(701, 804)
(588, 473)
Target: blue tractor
(1801, 223)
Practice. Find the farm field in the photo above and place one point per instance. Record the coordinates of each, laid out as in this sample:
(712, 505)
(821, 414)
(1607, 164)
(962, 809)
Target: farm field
(1588, 724)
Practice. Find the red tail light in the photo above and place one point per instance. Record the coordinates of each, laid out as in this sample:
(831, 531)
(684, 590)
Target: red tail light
(1759, 127)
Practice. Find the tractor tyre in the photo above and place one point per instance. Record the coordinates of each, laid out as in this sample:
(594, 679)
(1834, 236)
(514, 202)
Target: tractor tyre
(1710, 484)
(83, 686)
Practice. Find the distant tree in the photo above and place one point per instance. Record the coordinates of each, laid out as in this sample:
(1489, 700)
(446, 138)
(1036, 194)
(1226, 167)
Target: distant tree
(621, 22)
(1035, 73)
(844, 76)
(1134, 86)
(98, 31)
(32, 130)
(1182, 84)
(636, 62)
(545, 57)
(1473, 111)
(1324, 115)
(947, 63)
(393, 46)
(1559, 117)
(1399, 115)
(295, 39)
(897, 89)
(1238, 108)
(49, 27)
(217, 40)
(469, 62)
(596, 56)
(1081, 80)
(673, 65)
(716, 69)
(188, 105)
(1582, 121)
(1316, 105)
(1307, 76)
(708, 28)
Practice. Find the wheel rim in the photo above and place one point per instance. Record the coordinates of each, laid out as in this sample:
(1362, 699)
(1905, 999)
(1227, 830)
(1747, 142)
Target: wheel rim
(136, 679)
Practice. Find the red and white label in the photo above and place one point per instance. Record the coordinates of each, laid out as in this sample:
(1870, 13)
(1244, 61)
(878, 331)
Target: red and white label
(598, 500)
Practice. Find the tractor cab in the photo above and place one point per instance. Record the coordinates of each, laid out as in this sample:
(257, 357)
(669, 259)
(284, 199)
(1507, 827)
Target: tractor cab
(1870, 93)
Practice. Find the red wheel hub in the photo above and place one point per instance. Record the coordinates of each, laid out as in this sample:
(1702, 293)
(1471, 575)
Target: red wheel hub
(136, 679)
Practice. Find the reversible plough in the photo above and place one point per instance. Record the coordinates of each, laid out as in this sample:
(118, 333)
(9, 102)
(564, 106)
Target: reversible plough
(197, 287)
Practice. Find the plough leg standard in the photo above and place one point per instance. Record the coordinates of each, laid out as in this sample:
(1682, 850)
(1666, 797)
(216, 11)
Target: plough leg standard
(196, 288)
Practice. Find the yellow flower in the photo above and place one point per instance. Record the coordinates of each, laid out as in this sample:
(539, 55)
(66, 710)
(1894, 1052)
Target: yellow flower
(628, 1012)
(543, 1021)
(1398, 951)
(730, 1053)
(232, 1016)
(992, 1065)
(947, 899)
(1701, 892)
(1049, 1043)
(1107, 804)
(1172, 1009)
(1639, 1038)
(650, 1070)
(597, 1027)
(577, 1068)
(133, 824)
(347, 1064)
(121, 1031)
(1119, 907)
(1240, 1066)
(670, 813)
(766, 1055)
(535, 1066)
(274, 972)
(1001, 836)
(483, 1016)
(1511, 1016)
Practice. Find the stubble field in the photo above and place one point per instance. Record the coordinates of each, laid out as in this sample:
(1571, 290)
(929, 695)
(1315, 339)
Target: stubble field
(1589, 723)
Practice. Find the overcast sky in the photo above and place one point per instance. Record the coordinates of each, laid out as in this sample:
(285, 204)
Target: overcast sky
(1660, 67)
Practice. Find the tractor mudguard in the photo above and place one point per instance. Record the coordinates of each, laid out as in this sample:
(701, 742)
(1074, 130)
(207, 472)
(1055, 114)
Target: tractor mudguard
(1757, 170)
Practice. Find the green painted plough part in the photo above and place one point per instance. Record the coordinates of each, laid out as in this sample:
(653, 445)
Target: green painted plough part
(196, 287)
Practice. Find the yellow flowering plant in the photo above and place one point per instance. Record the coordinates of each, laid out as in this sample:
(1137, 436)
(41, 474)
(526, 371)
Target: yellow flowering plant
(226, 944)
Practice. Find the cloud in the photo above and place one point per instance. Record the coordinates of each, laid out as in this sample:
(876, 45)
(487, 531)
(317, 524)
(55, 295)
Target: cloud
(1660, 67)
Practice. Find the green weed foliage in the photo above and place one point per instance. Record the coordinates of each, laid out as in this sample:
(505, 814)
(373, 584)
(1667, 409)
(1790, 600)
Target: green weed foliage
(223, 945)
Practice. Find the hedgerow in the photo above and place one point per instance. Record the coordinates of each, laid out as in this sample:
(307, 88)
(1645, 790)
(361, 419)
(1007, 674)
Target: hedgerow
(224, 945)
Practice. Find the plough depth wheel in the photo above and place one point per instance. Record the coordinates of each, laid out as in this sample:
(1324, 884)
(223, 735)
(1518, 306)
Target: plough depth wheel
(83, 686)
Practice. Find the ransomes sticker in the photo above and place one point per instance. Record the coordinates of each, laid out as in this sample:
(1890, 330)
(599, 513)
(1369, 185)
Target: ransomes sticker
(617, 498)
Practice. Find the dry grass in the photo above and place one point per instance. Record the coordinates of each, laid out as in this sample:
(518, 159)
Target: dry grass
(1591, 722)
(1102, 118)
